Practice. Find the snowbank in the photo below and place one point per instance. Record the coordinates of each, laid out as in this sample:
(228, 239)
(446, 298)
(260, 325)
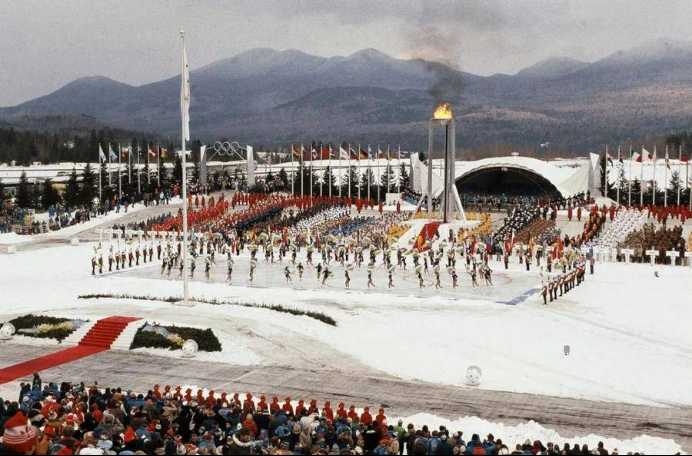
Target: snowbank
(512, 435)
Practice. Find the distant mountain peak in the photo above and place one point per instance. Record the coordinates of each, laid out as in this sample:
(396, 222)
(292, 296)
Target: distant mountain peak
(370, 53)
(553, 67)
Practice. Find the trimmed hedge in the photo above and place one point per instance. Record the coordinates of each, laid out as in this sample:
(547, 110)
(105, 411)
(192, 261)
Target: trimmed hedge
(275, 307)
(205, 338)
(32, 321)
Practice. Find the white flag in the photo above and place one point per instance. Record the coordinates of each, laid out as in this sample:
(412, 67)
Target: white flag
(343, 154)
(645, 155)
(111, 153)
(185, 95)
(102, 156)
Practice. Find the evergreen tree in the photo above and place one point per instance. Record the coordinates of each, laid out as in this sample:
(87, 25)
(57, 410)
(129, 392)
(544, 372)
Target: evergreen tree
(2, 194)
(89, 189)
(24, 196)
(367, 181)
(283, 178)
(50, 196)
(404, 179)
(607, 186)
(162, 176)
(675, 184)
(72, 196)
(636, 191)
(387, 179)
(329, 182)
(352, 181)
(178, 171)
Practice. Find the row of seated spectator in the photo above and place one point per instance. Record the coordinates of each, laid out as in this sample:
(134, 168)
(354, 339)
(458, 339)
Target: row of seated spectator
(80, 419)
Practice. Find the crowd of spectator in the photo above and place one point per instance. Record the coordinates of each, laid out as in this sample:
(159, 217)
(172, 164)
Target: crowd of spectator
(651, 238)
(91, 420)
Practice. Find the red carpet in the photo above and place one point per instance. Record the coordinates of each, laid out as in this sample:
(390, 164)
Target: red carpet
(105, 331)
(98, 339)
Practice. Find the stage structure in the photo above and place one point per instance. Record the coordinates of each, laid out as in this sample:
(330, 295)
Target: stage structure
(450, 202)
(232, 149)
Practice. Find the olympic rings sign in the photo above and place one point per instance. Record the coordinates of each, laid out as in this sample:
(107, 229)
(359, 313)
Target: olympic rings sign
(228, 148)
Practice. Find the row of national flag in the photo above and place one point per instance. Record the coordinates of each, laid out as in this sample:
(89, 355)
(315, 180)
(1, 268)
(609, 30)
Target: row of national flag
(126, 152)
(646, 157)
(321, 151)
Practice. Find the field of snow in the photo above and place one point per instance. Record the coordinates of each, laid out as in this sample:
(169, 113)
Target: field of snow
(627, 329)
(512, 435)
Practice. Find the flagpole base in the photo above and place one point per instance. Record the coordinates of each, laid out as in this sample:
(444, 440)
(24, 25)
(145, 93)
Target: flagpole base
(183, 303)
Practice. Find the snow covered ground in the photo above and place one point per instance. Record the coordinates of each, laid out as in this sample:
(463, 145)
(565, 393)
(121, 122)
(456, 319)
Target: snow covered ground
(512, 435)
(628, 330)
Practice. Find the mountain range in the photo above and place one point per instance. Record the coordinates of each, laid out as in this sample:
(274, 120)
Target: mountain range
(270, 97)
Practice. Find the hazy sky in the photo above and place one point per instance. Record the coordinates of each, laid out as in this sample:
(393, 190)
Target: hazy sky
(45, 44)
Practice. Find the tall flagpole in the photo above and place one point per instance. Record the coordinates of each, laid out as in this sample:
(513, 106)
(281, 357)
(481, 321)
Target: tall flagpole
(687, 182)
(129, 166)
(139, 175)
(148, 165)
(641, 179)
(605, 173)
(653, 181)
(619, 176)
(312, 157)
(679, 179)
(120, 177)
(379, 176)
(331, 171)
(158, 165)
(100, 164)
(185, 135)
(348, 175)
(629, 181)
(398, 165)
(389, 169)
(665, 180)
(293, 174)
(358, 170)
(110, 152)
(301, 163)
(368, 173)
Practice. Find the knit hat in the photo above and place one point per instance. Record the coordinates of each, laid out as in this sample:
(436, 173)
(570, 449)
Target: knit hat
(19, 436)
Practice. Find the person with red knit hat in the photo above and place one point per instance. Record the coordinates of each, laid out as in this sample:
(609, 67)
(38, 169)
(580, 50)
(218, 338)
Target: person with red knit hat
(274, 407)
(313, 407)
(300, 407)
(248, 404)
(380, 418)
(262, 406)
(327, 411)
(341, 411)
(287, 407)
(352, 413)
(19, 436)
(365, 417)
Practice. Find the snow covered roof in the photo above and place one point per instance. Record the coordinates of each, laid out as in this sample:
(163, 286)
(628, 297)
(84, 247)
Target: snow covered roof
(569, 177)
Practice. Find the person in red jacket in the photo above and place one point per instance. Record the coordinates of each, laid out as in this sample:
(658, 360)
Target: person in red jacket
(287, 407)
(313, 407)
(327, 411)
(262, 406)
(365, 417)
(352, 413)
(248, 404)
(380, 418)
(300, 407)
(274, 407)
(341, 411)
(157, 392)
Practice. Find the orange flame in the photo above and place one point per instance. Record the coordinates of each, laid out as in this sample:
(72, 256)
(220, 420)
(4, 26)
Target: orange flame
(443, 112)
